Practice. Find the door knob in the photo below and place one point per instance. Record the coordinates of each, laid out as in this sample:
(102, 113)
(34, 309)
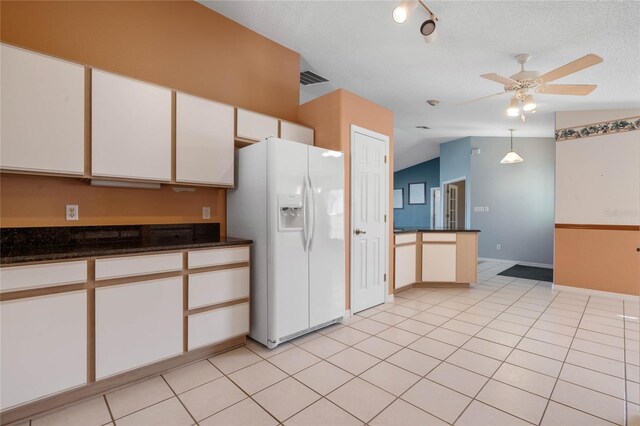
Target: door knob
(358, 232)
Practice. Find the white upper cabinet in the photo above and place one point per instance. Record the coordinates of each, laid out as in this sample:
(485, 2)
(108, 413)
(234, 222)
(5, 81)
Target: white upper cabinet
(42, 113)
(130, 129)
(296, 132)
(254, 126)
(204, 141)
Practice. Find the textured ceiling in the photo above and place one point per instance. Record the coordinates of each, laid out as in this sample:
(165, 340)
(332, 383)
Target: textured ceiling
(358, 47)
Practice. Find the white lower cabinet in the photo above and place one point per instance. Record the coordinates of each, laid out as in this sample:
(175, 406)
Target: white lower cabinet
(439, 262)
(218, 325)
(405, 265)
(137, 324)
(44, 346)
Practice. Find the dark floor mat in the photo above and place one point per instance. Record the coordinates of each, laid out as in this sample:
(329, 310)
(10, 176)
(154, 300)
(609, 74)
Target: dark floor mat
(529, 272)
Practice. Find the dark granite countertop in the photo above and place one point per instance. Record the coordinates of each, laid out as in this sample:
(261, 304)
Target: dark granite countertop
(22, 245)
(412, 230)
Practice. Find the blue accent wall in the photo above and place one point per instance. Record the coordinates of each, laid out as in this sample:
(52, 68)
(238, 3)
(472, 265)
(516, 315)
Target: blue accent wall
(415, 215)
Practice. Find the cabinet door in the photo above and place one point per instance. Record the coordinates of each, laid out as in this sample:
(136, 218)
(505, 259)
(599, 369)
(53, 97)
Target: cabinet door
(214, 326)
(439, 262)
(137, 324)
(130, 128)
(44, 346)
(295, 132)
(42, 113)
(405, 265)
(254, 126)
(204, 141)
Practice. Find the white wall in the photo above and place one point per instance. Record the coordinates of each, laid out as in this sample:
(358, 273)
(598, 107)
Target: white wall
(598, 177)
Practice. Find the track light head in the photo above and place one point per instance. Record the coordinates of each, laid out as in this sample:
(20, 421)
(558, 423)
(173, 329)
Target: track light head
(428, 29)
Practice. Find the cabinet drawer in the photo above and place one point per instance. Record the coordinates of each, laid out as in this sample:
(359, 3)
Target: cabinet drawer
(443, 237)
(48, 274)
(405, 238)
(209, 288)
(215, 257)
(117, 267)
(295, 132)
(218, 325)
(254, 126)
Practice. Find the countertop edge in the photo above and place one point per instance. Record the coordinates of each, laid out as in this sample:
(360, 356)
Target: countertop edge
(16, 260)
(425, 231)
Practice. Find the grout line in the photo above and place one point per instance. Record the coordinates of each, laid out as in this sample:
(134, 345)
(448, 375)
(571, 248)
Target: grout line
(113, 420)
(179, 400)
(563, 363)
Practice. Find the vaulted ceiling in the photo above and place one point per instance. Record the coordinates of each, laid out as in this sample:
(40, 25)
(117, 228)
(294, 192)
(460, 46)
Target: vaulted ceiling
(358, 47)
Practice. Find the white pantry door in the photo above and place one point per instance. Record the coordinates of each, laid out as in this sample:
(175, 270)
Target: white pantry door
(369, 192)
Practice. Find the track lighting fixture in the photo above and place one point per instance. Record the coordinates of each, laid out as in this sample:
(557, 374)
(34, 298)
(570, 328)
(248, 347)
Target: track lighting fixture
(428, 29)
(511, 157)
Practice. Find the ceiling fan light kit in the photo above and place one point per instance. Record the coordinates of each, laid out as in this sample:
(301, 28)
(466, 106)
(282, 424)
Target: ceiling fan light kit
(428, 29)
(520, 84)
(511, 157)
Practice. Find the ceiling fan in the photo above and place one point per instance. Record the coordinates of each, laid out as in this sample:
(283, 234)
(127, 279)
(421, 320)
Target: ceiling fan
(521, 83)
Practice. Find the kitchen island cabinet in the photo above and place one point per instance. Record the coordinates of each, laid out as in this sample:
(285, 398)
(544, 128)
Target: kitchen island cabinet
(438, 258)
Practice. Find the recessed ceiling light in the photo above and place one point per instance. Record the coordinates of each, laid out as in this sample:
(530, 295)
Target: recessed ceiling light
(423, 127)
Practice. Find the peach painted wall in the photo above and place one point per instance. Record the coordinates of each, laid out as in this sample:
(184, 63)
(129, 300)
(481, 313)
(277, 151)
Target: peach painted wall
(331, 116)
(598, 205)
(177, 44)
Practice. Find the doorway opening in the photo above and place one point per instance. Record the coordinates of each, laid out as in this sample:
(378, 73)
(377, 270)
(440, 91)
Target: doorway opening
(455, 212)
(435, 214)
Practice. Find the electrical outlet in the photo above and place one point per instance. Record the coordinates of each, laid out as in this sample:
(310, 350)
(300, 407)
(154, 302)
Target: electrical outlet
(206, 212)
(499, 247)
(72, 212)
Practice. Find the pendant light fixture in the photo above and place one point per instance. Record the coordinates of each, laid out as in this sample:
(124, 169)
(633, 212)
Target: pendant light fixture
(512, 157)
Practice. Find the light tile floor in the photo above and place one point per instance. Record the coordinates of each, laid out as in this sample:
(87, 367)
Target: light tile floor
(505, 352)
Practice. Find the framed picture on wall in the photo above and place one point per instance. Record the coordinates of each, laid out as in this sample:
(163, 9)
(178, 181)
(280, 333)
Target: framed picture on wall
(398, 198)
(418, 193)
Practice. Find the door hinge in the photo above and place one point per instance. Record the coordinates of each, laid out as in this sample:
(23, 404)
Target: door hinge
(385, 218)
(385, 159)
(385, 278)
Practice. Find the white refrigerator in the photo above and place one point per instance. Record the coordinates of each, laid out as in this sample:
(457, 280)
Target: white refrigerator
(289, 199)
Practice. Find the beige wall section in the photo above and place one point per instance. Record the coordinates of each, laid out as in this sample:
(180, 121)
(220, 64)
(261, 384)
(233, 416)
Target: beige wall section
(331, 116)
(595, 259)
(597, 185)
(40, 201)
(178, 44)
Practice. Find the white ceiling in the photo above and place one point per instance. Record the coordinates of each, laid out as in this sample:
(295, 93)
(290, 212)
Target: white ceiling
(358, 47)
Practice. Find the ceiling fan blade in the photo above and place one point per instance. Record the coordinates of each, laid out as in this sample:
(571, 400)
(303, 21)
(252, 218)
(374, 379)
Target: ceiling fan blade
(567, 89)
(499, 79)
(575, 66)
(480, 99)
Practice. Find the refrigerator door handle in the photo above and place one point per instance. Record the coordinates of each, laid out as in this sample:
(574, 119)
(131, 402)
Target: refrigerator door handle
(305, 206)
(312, 214)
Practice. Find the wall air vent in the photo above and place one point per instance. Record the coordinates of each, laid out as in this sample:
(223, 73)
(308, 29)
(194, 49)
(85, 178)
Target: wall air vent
(308, 78)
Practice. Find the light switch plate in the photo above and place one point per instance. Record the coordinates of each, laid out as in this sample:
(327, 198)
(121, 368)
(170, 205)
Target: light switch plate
(72, 212)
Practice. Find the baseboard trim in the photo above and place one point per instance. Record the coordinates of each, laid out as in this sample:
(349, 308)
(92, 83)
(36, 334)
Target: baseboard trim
(519, 262)
(72, 396)
(390, 298)
(600, 293)
(347, 314)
